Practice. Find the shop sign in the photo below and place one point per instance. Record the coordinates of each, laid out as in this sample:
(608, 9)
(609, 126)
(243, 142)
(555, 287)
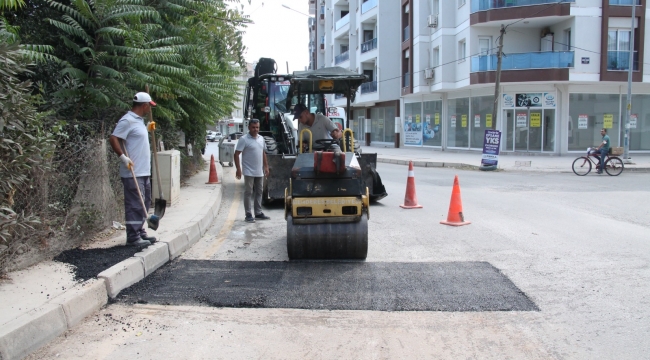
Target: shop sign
(633, 121)
(528, 100)
(608, 121)
(491, 142)
(412, 130)
(508, 101)
(535, 120)
(463, 120)
(583, 120)
(522, 120)
(477, 120)
(488, 120)
(549, 99)
(453, 121)
(437, 119)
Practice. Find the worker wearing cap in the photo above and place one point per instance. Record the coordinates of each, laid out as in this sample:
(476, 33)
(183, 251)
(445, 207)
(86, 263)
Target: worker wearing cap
(320, 125)
(131, 131)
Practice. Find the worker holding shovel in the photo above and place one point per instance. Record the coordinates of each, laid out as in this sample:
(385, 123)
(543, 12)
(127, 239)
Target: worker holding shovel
(130, 142)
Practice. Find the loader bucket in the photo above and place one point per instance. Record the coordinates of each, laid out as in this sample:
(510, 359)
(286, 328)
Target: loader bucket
(279, 176)
(368, 163)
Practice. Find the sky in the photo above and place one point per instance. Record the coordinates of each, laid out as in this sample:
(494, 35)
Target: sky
(278, 33)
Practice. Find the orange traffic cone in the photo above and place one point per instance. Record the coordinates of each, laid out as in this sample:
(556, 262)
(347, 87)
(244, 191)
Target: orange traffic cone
(410, 200)
(455, 216)
(213, 179)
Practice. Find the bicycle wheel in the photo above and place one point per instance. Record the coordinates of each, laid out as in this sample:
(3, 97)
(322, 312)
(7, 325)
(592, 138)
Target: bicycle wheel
(581, 166)
(614, 166)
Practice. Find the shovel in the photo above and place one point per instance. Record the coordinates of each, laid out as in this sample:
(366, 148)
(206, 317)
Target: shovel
(160, 204)
(152, 220)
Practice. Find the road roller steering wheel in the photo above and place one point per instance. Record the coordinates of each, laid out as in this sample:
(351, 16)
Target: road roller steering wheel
(327, 143)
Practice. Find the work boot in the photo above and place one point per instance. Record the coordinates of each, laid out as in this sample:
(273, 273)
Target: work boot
(139, 243)
(261, 216)
(148, 238)
(249, 218)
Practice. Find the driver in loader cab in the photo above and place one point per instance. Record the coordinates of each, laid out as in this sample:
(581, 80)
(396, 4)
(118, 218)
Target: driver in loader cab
(320, 125)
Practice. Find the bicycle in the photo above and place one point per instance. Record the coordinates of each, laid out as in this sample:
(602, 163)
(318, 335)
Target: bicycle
(613, 164)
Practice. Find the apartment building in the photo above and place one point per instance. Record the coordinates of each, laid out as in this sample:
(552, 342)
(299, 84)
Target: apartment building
(235, 122)
(433, 69)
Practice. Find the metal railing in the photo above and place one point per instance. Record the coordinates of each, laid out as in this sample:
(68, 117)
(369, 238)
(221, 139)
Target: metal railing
(406, 33)
(521, 61)
(342, 22)
(342, 57)
(482, 5)
(369, 87)
(367, 5)
(369, 45)
(620, 60)
(406, 80)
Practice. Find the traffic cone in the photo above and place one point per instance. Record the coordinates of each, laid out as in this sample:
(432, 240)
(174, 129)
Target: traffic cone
(455, 216)
(410, 199)
(213, 179)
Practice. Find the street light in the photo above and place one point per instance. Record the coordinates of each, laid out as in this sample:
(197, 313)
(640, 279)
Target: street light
(301, 13)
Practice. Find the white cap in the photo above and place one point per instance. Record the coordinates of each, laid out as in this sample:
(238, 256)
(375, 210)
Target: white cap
(143, 97)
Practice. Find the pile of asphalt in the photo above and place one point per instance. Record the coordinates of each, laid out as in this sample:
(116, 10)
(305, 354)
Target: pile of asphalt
(88, 263)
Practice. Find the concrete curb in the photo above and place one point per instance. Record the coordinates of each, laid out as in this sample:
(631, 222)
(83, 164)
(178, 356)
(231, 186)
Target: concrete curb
(418, 163)
(29, 332)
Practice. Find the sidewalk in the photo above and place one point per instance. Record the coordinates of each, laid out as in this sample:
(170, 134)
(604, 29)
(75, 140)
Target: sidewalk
(42, 302)
(428, 157)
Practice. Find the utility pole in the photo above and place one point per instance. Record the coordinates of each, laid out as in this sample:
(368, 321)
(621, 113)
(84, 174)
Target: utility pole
(626, 140)
(498, 79)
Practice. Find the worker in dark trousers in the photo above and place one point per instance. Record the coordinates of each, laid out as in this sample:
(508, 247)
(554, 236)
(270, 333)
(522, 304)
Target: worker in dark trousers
(131, 132)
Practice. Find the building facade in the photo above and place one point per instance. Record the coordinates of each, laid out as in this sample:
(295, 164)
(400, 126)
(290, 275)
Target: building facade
(433, 69)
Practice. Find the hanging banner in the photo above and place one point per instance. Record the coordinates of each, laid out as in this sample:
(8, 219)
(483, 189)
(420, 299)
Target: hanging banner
(412, 131)
(583, 121)
(633, 121)
(463, 120)
(535, 120)
(491, 142)
(608, 121)
(453, 121)
(488, 120)
(522, 120)
(477, 120)
(508, 101)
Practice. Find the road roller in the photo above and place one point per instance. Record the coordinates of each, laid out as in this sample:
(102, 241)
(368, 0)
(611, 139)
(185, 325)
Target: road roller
(327, 205)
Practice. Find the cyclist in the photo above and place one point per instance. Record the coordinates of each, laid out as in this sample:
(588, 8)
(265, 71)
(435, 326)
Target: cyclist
(602, 149)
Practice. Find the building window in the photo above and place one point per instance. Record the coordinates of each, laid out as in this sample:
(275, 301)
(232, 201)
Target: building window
(567, 39)
(618, 49)
(461, 3)
(461, 50)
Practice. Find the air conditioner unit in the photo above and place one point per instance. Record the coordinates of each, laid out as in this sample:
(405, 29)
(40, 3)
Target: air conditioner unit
(433, 21)
(429, 73)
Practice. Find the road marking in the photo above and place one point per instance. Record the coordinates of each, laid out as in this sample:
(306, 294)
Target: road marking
(227, 225)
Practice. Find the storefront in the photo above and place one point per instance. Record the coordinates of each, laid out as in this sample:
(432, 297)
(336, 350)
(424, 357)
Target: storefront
(528, 122)
(378, 120)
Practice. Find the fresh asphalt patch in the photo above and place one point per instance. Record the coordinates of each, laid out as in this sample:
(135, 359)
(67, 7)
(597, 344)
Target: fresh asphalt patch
(383, 286)
(88, 263)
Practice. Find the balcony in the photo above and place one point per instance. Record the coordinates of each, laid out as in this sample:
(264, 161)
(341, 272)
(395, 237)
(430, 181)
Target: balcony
(620, 61)
(367, 5)
(482, 5)
(342, 22)
(369, 45)
(369, 87)
(406, 34)
(623, 2)
(524, 61)
(406, 80)
(341, 58)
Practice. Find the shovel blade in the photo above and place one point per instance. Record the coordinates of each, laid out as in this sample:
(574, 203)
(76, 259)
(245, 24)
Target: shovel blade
(159, 207)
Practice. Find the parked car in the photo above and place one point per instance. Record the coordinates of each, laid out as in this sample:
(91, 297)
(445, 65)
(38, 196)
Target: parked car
(212, 136)
(236, 135)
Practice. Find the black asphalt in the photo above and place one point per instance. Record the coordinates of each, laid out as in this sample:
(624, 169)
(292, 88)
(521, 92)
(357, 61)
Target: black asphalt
(449, 286)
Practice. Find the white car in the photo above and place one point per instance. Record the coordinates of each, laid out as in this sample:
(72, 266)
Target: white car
(211, 136)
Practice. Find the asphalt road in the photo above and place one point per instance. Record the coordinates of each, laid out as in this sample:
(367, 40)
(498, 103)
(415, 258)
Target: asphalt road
(576, 247)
